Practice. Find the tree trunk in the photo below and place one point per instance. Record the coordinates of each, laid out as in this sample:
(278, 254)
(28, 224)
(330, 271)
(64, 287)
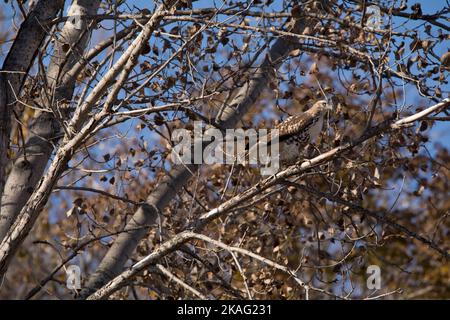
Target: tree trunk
(15, 69)
(31, 163)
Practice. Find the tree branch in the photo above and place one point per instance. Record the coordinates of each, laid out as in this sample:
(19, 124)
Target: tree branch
(172, 244)
(125, 244)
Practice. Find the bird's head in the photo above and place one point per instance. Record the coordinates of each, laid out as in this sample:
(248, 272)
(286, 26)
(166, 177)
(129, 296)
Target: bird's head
(328, 105)
(323, 105)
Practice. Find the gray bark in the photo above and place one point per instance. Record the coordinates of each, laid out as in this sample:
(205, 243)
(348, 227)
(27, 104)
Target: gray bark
(29, 168)
(125, 244)
(30, 211)
(15, 69)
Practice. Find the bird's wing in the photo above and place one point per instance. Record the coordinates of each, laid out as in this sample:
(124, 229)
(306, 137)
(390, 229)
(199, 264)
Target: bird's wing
(293, 125)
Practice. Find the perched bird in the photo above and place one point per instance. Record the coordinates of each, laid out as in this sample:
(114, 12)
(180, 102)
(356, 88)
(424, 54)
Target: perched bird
(295, 134)
(298, 131)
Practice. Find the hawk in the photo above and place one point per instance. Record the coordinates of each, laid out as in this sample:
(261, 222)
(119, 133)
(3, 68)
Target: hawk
(295, 134)
(298, 131)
